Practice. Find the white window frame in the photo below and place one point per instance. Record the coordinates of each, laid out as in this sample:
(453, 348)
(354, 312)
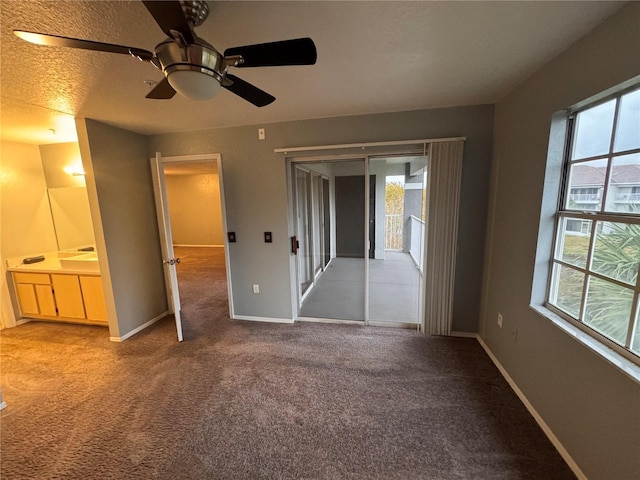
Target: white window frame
(595, 217)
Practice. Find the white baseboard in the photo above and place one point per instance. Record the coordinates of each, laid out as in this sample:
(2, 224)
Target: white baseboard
(138, 329)
(464, 334)
(262, 319)
(543, 425)
(201, 246)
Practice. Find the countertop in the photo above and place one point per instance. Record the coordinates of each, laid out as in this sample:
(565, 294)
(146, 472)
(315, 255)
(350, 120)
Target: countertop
(52, 264)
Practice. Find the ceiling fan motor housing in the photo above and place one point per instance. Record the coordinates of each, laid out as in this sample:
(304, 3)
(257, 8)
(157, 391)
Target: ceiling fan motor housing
(199, 56)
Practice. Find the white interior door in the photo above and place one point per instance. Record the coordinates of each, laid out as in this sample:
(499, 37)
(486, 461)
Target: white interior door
(166, 241)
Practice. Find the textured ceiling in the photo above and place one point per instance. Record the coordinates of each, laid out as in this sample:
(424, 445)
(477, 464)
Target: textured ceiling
(372, 57)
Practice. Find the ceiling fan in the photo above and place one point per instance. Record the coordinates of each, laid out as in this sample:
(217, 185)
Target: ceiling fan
(192, 66)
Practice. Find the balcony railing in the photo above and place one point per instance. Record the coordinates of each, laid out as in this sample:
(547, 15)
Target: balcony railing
(417, 234)
(628, 197)
(585, 197)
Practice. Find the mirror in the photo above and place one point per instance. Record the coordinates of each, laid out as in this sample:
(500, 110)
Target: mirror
(71, 217)
(67, 192)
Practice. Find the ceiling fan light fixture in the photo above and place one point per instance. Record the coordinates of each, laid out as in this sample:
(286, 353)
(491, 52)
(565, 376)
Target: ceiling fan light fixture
(194, 84)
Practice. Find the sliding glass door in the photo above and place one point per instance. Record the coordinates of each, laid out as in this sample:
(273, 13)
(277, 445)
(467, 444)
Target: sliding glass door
(332, 194)
(360, 226)
(395, 276)
(303, 227)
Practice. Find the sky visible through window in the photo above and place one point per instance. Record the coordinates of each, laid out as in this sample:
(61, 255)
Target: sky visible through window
(594, 126)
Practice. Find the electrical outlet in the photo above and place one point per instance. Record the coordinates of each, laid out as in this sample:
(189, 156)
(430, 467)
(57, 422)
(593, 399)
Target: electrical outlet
(261, 135)
(500, 320)
(256, 288)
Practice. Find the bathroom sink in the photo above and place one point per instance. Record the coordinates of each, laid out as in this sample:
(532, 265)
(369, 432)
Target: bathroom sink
(87, 262)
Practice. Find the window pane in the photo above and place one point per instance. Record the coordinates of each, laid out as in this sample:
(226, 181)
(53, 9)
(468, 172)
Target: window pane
(566, 289)
(593, 131)
(628, 127)
(608, 309)
(623, 194)
(586, 184)
(573, 241)
(616, 252)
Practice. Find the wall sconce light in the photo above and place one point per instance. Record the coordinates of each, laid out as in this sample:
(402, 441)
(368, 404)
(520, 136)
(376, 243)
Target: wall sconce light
(74, 170)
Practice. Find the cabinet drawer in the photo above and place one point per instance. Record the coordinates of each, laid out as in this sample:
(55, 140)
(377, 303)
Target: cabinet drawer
(39, 278)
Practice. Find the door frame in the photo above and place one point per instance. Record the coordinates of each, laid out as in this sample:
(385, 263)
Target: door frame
(212, 157)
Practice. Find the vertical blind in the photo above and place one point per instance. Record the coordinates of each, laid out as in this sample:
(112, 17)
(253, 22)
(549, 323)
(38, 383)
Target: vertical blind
(445, 171)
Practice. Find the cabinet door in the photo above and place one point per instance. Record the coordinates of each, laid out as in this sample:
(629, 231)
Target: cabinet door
(27, 299)
(68, 296)
(93, 297)
(47, 304)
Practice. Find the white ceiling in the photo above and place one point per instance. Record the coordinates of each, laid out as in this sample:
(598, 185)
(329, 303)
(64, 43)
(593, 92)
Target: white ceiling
(372, 57)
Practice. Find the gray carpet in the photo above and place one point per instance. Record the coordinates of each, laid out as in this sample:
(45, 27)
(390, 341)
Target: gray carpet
(243, 400)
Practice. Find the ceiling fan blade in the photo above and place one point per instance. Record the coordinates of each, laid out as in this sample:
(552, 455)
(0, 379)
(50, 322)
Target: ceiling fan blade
(162, 91)
(299, 51)
(250, 93)
(169, 16)
(56, 41)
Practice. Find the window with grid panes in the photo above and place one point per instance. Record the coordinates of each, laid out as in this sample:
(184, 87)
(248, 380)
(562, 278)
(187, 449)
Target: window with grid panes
(594, 281)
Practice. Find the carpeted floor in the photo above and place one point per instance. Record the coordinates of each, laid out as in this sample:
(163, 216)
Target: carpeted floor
(245, 400)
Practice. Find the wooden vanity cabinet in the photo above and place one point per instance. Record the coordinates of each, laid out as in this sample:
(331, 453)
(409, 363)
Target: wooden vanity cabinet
(61, 297)
(35, 294)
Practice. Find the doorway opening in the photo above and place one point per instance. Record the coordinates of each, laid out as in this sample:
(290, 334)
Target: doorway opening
(360, 227)
(190, 197)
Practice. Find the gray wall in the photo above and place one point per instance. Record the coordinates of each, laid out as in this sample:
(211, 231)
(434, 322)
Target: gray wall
(256, 194)
(350, 216)
(590, 405)
(119, 174)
